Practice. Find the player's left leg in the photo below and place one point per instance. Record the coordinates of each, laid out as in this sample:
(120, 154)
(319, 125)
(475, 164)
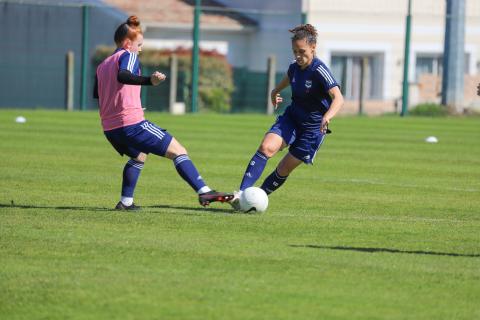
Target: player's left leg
(185, 167)
(303, 149)
(281, 173)
(156, 140)
(187, 170)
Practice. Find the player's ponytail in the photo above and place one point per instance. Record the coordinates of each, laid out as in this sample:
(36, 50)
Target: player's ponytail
(305, 31)
(127, 30)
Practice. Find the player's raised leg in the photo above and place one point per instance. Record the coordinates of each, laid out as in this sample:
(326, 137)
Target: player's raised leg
(187, 170)
(270, 145)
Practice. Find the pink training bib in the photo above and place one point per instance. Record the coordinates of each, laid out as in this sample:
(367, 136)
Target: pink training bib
(120, 104)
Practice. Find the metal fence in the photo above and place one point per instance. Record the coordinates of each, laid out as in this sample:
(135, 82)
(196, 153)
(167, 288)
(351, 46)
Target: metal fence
(38, 35)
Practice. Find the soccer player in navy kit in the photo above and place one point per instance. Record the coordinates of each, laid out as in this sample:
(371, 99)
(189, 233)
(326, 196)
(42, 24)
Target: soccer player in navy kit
(316, 99)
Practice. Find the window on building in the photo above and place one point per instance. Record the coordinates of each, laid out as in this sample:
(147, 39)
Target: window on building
(347, 71)
(432, 63)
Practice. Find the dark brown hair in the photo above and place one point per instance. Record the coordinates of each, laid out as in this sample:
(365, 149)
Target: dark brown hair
(127, 30)
(305, 31)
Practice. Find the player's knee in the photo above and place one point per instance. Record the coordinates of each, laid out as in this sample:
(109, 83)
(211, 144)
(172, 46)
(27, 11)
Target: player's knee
(268, 149)
(142, 157)
(180, 150)
(174, 150)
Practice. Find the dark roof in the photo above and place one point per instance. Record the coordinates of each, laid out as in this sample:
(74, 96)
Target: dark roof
(178, 12)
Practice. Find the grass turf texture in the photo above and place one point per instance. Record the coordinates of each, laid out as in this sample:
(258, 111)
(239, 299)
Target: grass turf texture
(383, 226)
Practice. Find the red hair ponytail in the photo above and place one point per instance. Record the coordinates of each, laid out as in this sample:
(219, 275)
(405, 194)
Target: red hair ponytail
(127, 30)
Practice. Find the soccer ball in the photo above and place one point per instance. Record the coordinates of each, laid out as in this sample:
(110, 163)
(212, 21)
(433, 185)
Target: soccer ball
(253, 199)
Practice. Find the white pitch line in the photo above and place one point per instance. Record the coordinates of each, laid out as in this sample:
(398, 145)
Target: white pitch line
(383, 218)
(381, 183)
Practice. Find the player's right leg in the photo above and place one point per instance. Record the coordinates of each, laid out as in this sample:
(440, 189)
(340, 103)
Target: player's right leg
(281, 134)
(132, 169)
(131, 173)
(271, 144)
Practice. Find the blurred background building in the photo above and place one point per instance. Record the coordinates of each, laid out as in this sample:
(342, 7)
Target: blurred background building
(366, 34)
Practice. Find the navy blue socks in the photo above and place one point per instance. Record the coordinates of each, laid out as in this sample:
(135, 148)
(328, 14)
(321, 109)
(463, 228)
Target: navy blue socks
(189, 173)
(131, 172)
(254, 170)
(273, 182)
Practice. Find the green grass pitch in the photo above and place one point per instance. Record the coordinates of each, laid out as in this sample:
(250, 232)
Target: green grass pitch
(382, 226)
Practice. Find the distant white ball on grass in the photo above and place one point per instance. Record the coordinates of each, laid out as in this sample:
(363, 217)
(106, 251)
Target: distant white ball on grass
(431, 139)
(253, 199)
(20, 119)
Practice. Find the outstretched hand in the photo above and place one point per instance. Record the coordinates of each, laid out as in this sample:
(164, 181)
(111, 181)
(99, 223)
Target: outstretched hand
(157, 77)
(276, 99)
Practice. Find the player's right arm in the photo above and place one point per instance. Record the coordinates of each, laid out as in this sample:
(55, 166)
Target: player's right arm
(275, 94)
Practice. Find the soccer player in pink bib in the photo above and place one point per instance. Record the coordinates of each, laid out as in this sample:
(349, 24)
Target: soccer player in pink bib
(117, 87)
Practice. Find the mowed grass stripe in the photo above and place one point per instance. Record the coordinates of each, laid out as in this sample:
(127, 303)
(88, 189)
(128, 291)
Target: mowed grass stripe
(383, 226)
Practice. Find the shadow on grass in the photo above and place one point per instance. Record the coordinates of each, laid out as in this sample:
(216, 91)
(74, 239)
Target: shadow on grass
(26, 206)
(23, 206)
(199, 209)
(388, 250)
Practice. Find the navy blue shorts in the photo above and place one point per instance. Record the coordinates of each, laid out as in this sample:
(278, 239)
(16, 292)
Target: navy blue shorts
(143, 137)
(303, 143)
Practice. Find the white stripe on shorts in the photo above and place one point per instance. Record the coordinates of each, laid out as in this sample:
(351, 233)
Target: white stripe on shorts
(156, 134)
(156, 129)
(319, 145)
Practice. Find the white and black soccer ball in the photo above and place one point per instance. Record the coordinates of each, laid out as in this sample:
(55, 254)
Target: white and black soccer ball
(253, 199)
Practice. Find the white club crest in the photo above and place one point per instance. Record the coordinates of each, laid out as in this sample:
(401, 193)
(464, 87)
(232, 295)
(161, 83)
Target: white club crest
(308, 84)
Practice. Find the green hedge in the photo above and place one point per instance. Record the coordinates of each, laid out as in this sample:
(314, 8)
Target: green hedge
(215, 81)
(429, 110)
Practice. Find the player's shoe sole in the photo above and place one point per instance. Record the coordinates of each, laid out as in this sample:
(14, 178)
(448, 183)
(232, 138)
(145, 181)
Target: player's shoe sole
(213, 196)
(121, 207)
(235, 202)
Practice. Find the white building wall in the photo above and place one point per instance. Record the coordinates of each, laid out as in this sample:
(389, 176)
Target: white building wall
(274, 19)
(379, 26)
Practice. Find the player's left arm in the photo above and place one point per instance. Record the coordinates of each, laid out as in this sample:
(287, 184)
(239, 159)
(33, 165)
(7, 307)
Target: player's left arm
(337, 103)
(330, 85)
(95, 88)
(129, 72)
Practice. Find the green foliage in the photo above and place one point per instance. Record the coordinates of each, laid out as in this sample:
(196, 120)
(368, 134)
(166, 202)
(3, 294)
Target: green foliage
(429, 110)
(383, 226)
(216, 76)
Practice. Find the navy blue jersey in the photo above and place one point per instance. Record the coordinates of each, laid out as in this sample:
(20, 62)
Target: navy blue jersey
(310, 86)
(129, 61)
